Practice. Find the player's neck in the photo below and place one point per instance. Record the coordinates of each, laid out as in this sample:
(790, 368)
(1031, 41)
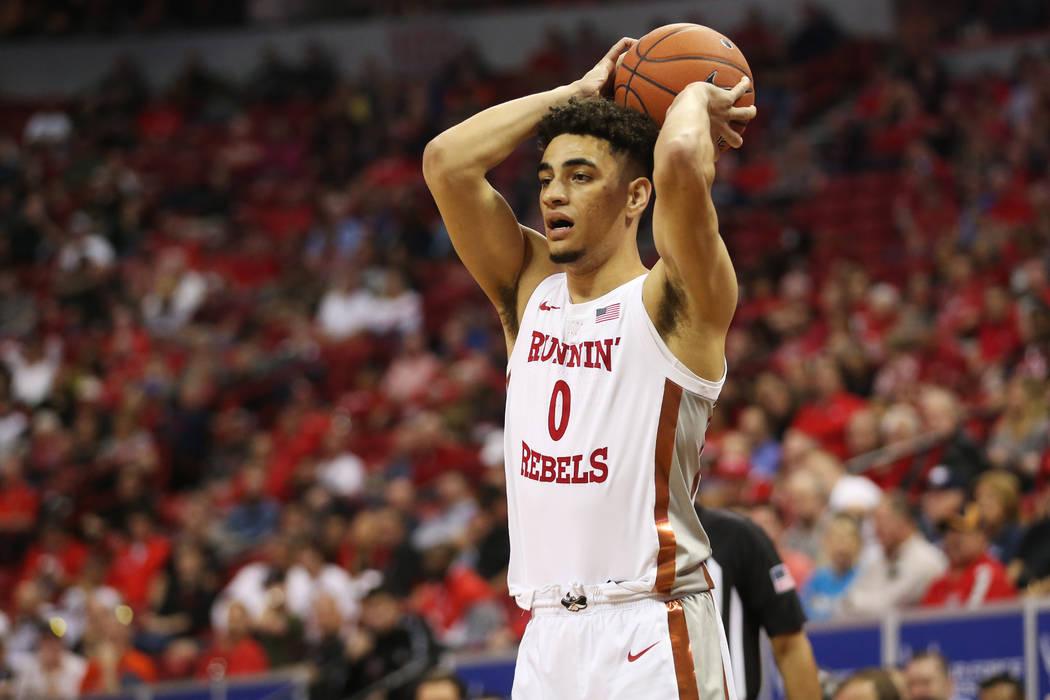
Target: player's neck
(588, 282)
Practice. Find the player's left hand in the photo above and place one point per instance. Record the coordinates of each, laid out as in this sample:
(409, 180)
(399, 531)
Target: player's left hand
(721, 111)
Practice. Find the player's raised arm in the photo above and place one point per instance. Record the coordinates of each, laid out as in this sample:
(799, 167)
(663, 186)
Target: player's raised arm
(496, 249)
(695, 277)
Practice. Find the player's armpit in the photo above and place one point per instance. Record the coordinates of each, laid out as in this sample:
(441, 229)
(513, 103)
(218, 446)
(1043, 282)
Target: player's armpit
(685, 225)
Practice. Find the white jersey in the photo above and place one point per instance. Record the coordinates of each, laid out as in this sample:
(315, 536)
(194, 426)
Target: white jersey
(604, 429)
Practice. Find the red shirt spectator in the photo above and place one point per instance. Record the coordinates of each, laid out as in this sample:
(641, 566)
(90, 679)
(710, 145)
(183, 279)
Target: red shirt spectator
(445, 603)
(826, 421)
(235, 652)
(56, 556)
(133, 666)
(973, 577)
(137, 561)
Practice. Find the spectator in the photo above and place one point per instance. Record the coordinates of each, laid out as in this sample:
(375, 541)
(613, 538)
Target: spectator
(113, 664)
(441, 685)
(898, 571)
(139, 558)
(871, 684)
(829, 583)
(1001, 686)
(765, 449)
(235, 652)
(942, 416)
(328, 653)
(945, 494)
(799, 566)
(51, 672)
(251, 586)
(391, 649)
(345, 308)
(927, 677)
(805, 500)
(1031, 567)
(338, 469)
(456, 602)
(254, 519)
(313, 575)
(828, 415)
(180, 599)
(972, 577)
(33, 369)
(998, 495)
(1022, 433)
(56, 559)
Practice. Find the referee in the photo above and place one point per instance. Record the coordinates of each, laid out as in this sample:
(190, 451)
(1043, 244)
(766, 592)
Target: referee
(753, 590)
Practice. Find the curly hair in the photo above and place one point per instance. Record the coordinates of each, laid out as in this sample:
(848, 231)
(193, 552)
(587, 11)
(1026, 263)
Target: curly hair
(627, 131)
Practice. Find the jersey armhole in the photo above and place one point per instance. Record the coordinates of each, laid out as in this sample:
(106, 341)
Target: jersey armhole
(676, 370)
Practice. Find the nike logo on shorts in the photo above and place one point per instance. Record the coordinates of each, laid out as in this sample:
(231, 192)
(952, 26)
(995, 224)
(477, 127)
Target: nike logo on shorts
(634, 657)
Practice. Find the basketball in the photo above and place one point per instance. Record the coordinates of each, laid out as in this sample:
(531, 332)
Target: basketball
(650, 75)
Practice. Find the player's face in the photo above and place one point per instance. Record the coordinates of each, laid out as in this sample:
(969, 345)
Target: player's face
(583, 197)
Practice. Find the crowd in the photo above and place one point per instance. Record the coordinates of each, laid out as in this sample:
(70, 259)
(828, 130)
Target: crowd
(250, 403)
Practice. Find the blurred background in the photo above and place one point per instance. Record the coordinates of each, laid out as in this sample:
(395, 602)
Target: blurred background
(251, 403)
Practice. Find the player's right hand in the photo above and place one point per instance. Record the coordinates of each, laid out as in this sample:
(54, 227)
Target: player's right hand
(597, 82)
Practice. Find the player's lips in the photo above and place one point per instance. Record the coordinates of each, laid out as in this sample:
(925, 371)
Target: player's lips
(558, 226)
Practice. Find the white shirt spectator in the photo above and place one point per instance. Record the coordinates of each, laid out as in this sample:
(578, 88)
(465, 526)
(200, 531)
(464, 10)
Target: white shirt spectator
(32, 680)
(883, 584)
(248, 587)
(32, 380)
(13, 425)
(343, 475)
(91, 248)
(167, 315)
(343, 313)
(73, 608)
(403, 313)
(303, 589)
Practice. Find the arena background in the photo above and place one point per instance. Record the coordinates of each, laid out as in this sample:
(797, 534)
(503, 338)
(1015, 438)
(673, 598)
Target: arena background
(241, 362)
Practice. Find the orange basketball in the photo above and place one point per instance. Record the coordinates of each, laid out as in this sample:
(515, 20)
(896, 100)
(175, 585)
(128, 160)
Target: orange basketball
(670, 57)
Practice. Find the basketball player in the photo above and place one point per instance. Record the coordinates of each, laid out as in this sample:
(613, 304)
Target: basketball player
(613, 371)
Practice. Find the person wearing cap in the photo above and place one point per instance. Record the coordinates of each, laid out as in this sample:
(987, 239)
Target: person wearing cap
(973, 576)
(897, 571)
(944, 495)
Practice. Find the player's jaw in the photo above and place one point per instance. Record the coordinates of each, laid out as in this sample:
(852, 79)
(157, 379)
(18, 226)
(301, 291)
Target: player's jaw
(562, 244)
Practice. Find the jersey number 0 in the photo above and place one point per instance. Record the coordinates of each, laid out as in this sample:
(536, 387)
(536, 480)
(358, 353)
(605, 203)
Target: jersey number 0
(557, 425)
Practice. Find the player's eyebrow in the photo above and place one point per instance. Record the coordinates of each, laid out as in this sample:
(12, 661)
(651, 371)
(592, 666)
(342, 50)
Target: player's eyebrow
(579, 161)
(567, 164)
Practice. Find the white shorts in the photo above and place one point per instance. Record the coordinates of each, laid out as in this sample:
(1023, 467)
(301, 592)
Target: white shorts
(640, 650)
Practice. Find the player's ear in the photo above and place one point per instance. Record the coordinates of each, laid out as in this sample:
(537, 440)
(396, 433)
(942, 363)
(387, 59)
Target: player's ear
(639, 191)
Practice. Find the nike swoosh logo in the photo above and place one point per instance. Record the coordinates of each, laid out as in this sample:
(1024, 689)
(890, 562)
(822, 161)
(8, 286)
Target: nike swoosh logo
(634, 657)
(547, 307)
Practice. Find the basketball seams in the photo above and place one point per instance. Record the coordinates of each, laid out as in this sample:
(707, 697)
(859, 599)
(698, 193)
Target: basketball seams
(641, 57)
(646, 78)
(724, 62)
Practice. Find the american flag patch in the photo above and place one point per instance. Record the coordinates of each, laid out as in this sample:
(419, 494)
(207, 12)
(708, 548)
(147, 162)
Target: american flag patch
(782, 579)
(607, 313)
